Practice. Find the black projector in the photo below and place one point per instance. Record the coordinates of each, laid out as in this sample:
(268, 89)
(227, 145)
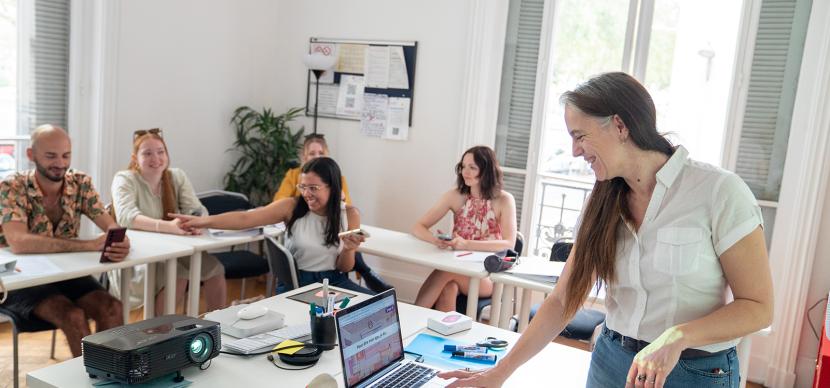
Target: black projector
(145, 350)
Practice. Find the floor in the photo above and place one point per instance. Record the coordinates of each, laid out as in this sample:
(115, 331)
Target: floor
(34, 347)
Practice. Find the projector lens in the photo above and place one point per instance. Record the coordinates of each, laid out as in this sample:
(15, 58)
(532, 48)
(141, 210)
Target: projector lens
(201, 347)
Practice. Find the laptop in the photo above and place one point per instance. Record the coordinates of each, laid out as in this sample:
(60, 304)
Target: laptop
(371, 348)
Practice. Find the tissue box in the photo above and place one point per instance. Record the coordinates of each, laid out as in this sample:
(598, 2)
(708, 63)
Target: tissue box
(450, 323)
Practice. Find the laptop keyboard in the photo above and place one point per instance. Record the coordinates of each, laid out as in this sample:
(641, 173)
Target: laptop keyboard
(411, 375)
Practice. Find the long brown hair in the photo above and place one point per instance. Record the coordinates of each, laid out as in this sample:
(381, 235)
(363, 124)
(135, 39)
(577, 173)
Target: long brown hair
(595, 248)
(491, 179)
(169, 204)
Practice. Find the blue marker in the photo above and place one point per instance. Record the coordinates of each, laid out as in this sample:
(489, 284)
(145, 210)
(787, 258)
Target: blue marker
(465, 348)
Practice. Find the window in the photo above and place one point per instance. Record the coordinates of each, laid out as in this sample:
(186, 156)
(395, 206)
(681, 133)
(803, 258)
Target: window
(683, 53)
(34, 77)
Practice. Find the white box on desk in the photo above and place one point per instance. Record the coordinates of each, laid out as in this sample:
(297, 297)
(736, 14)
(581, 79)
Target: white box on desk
(450, 323)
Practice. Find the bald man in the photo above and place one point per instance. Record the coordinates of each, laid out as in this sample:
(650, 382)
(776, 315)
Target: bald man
(40, 212)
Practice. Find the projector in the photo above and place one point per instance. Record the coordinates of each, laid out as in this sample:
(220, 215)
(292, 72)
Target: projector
(145, 350)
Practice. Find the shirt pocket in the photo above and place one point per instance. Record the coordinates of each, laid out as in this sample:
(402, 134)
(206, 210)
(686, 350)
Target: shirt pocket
(678, 250)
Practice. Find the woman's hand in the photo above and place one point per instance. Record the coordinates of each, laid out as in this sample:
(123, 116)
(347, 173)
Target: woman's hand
(443, 244)
(653, 364)
(191, 224)
(352, 241)
(459, 243)
(174, 226)
(482, 378)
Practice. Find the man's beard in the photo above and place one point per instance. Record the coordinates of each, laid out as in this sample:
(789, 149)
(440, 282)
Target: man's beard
(48, 175)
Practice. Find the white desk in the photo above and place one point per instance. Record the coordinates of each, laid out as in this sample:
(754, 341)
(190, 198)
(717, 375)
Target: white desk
(406, 247)
(198, 244)
(77, 264)
(567, 366)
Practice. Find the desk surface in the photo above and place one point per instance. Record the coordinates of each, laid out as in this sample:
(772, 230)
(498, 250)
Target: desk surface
(406, 247)
(567, 365)
(76, 264)
(206, 241)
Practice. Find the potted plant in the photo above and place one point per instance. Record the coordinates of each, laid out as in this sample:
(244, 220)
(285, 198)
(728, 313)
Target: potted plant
(267, 149)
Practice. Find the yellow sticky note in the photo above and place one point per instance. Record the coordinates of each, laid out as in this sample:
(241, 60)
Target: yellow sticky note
(286, 344)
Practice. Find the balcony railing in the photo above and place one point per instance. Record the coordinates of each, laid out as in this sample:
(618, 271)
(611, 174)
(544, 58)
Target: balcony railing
(13, 154)
(561, 203)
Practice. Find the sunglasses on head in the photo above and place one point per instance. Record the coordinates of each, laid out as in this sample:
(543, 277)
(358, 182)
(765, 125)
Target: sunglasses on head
(314, 136)
(142, 132)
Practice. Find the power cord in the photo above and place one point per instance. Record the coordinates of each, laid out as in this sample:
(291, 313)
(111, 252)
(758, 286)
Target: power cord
(810, 321)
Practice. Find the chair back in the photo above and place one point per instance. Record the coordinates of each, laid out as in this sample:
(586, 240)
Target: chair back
(281, 263)
(220, 201)
(520, 243)
(561, 249)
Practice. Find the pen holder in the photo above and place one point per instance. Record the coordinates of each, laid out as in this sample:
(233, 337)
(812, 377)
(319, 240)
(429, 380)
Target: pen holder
(323, 331)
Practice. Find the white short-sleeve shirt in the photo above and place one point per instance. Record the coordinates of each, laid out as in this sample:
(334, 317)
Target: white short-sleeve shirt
(668, 272)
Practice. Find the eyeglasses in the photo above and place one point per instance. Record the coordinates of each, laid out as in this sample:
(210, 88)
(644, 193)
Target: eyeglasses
(142, 132)
(312, 188)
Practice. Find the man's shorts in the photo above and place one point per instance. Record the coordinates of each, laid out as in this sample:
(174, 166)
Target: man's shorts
(24, 301)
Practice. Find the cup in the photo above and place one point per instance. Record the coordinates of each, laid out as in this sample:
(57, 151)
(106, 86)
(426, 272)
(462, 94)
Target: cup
(323, 331)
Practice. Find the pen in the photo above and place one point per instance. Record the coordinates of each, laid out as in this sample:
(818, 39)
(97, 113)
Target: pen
(330, 302)
(465, 348)
(463, 254)
(476, 356)
(325, 291)
(313, 308)
(344, 302)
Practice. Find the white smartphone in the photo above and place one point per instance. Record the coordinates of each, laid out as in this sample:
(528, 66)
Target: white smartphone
(359, 232)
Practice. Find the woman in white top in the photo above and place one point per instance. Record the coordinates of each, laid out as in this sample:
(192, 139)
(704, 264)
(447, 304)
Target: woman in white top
(313, 221)
(145, 193)
(667, 236)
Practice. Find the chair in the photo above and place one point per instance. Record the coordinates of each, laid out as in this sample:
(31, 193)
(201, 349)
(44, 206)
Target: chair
(586, 321)
(239, 264)
(461, 299)
(22, 325)
(281, 265)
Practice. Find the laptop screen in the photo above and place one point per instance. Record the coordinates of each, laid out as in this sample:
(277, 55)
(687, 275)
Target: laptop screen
(370, 337)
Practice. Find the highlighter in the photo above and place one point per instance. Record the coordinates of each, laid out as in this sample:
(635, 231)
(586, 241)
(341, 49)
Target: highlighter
(487, 357)
(465, 348)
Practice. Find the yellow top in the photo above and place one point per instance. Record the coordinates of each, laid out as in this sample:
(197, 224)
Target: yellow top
(288, 187)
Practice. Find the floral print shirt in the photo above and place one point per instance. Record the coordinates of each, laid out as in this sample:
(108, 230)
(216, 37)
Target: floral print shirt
(476, 220)
(22, 200)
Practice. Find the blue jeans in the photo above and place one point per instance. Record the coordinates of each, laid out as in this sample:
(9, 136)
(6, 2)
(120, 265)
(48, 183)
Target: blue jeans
(336, 278)
(610, 363)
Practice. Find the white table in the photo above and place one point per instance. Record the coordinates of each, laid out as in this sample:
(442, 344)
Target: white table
(568, 366)
(406, 247)
(199, 244)
(77, 264)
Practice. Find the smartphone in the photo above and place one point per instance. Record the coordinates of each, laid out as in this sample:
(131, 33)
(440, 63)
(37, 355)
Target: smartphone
(359, 232)
(444, 237)
(113, 235)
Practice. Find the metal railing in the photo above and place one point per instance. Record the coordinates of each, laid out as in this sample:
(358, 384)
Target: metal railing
(561, 203)
(13, 154)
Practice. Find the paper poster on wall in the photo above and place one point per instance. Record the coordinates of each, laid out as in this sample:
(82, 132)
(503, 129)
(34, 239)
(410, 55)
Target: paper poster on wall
(350, 97)
(350, 58)
(398, 78)
(373, 118)
(329, 50)
(397, 119)
(328, 98)
(377, 67)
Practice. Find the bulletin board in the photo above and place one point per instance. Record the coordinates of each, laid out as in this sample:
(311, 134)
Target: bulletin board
(372, 82)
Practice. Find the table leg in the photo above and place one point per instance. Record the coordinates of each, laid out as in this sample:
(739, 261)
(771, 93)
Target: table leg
(506, 306)
(194, 284)
(170, 287)
(150, 291)
(126, 276)
(472, 298)
(524, 311)
(495, 305)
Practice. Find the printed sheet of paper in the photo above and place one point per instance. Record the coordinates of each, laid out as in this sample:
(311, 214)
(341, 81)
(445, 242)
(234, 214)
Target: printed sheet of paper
(329, 50)
(36, 266)
(350, 58)
(398, 77)
(373, 119)
(350, 97)
(397, 121)
(377, 67)
(328, 99)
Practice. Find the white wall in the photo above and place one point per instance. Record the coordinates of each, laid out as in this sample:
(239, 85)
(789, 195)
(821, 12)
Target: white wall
(185, 66)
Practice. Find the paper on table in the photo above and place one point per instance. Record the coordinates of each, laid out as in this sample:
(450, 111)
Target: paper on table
(350, 98)
(328, 99)
(226, 233)
(538, 270)
(36, 266)
(471, 256)
(398, 78)
(327, 49)
(373, 118)
(350, 58)
(376, 67)
(397, 120)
